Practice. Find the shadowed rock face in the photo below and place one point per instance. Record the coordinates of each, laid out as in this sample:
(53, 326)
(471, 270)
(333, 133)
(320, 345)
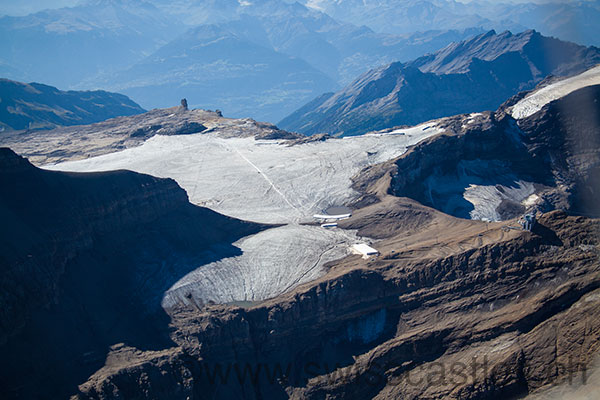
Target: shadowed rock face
(85, 261)
(37, 106)
(474, 75)
(546, 161)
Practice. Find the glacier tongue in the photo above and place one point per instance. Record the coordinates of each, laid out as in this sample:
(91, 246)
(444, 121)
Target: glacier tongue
(272, 262)
(263, 181)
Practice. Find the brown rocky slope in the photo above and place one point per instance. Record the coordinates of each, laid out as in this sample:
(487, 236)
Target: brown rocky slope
(451, 308)
(522, 308)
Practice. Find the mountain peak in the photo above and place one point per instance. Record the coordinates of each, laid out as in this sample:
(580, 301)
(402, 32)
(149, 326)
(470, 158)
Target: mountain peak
(473, 75)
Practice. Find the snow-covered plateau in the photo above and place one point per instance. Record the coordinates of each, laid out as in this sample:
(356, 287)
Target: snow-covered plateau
(264, 181)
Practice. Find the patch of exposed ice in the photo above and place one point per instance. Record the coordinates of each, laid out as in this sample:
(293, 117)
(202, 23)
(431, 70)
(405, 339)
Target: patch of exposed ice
(410, 131)
(273, 262)
(487, 198)
(476, 189)
(534, 102)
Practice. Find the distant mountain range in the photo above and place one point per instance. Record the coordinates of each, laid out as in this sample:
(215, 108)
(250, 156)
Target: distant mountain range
(261, 60)
(265, 61)
(473, 75)
(37, 106)
(569, 20)
(64, 46)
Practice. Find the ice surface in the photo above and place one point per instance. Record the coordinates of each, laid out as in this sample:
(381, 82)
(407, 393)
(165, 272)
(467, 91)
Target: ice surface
(477, 189)
(272, 262)
(534, 102)
(259, 180)
(487, 198)
(264, 181)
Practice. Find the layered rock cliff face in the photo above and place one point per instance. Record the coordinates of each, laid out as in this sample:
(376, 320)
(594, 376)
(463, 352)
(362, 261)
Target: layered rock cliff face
(85, 260)
(491, 322)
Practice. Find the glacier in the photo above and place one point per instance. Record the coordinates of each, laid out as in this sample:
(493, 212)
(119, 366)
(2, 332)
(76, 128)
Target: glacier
(266, 181)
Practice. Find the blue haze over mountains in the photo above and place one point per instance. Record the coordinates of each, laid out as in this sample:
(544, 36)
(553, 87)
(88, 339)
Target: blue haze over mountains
(262, 59)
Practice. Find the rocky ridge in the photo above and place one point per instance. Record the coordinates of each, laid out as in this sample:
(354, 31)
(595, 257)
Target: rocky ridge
(371, 329)
(79, 142)
(546, 161)
(474, 75)
(35, 106)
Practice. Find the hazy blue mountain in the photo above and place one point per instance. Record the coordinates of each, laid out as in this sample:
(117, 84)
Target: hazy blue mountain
(35, 106)
(63, 46)
(266, 63)
(474, 75)
(31, 6)
(342, 50)
(573, 21)
(214, 66)
(568, 20)
(403, 17)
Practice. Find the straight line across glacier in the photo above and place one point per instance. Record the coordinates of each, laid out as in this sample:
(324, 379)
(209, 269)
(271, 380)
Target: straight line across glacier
(265, 181)
(268, 180)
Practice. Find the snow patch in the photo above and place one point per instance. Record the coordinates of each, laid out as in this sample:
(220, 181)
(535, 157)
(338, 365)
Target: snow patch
(534, 102)
(531, 200)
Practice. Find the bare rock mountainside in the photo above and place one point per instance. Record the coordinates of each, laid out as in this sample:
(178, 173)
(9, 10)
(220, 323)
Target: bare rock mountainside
(78, 142)
(85, 259)
(474, 75)
(38, 106)
(449, 308)
(493, 166)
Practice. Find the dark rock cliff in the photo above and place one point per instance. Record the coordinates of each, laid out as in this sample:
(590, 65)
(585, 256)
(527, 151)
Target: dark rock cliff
(557, 148)
(364, 332)
(85, 259)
